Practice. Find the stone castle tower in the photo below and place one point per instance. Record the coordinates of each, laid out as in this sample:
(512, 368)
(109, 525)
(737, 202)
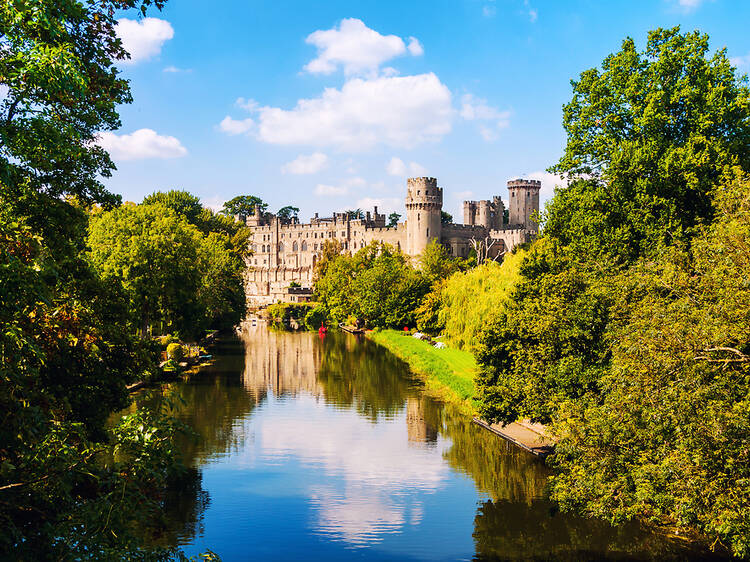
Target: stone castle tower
(486, 213)
(523, 202)
(424, 203)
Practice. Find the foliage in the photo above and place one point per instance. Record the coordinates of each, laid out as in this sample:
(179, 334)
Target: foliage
(471, 300)
(243, 205)
(446, 218)
(221, 293)
(175, 352)
(154, 253)
(316, 317)
(393, 219)
(181, 202)
(356, 214)
(649, 136)
(286, 214)
(627, 330)
(176, 278)
(376, 285)
(281, 314)
(668, 440)
(436, 262)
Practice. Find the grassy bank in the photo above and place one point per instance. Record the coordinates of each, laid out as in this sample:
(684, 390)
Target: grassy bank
(448, 373)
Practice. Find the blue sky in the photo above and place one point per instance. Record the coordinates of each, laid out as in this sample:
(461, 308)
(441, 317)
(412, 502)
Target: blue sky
(331, 105)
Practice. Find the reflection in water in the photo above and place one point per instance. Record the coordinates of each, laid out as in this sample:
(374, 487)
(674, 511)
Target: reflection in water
(326, 448)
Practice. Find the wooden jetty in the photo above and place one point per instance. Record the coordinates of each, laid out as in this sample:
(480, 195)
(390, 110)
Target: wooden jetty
(522, 435)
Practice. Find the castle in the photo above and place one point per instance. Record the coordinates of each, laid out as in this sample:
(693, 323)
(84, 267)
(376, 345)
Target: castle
(286, 252)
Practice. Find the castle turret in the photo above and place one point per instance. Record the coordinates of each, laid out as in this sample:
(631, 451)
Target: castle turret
(424, 203)
(523, 202)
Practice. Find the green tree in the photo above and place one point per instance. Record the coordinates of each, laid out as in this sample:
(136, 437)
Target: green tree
(286, 214)
(377, 285)
(243, 205)
(649, 136)
(436, 262)
(154, 253)
(668, 440)
(181, 202)
(393, 219)
(446, 218)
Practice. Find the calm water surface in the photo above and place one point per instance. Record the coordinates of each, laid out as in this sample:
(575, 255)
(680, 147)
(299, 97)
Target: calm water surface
(327, 449)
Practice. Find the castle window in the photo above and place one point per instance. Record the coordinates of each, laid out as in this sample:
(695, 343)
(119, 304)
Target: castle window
(315, 247)
(428, 233)
(304, 246)
(355, 245)
(343, 234)
(294, 247)
(281, 246)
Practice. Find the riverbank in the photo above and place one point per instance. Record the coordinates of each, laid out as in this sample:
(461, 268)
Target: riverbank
(448, 373)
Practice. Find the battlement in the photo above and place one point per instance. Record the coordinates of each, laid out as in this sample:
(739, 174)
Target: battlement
(535, 184)
(421, 183)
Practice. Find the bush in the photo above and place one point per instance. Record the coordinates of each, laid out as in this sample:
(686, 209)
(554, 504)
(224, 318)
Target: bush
(175, 352)
(316, 317)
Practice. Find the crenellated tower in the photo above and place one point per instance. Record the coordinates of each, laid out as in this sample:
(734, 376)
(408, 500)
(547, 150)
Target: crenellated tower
(424, 203)
(523, 202)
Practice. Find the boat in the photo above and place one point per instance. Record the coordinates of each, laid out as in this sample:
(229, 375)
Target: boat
(351, 329)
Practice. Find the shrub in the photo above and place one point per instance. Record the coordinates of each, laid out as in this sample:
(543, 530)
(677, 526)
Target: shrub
(175, 352)
(316, 316)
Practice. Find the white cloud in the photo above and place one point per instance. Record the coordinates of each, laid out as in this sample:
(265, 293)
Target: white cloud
(141, 144)
(400, 111)
(476, 109)
(175, 70)
(397, 167)
(489, 11)
(687, 6)
(306, 164)
(324, 189)
(385, 205)
(342, 189)
(531, 12)
(144, 38)
(415, 47)
(246, 104)
(356, 48)
(235, 126)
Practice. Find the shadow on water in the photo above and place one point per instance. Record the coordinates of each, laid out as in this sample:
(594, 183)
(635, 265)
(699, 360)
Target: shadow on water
(335, 443)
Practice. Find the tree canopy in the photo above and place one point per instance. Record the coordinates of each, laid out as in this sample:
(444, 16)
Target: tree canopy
(243, 205)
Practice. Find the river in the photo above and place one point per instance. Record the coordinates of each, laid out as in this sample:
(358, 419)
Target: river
(327, 448)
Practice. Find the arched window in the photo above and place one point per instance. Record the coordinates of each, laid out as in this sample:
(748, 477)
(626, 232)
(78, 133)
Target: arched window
(295, 247)
(315, 247)
(281, 246)
(304, 246)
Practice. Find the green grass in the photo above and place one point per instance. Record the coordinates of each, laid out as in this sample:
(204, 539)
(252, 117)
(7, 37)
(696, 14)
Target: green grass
(448, 372)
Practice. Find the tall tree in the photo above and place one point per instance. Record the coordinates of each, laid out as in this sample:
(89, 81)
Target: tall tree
(286, 214)
(244, 205)
(649, 136)
(393, 219)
